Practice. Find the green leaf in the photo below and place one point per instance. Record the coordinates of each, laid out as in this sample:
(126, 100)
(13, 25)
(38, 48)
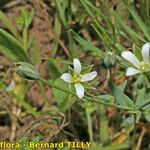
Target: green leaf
(140, 97)
(9, 25)
(102, 33)
(60, 7)
(63, 99)
(122, 86)
(139, 21)
(107, 99)
(137, 53)
(30, 17)
(87, 85)
(57, 31)
(11, 47)
(140, 82)
(138, 115)
(92, 10)
(147, 115)
(87, 45)
(100, 18)
(120, 97)
(86, 69)
(133, 34)
(85, 3)
(36, 52)
(71, 70)
(129, 120)
(54, 68)
(26, 17)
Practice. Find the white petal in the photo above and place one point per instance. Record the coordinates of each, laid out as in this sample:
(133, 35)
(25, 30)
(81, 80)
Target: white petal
(11, 86)
(146, 52)
(77, 66)
(67, 77)
(129, 56)
(89, 76)
(79, 90)
(132, 71)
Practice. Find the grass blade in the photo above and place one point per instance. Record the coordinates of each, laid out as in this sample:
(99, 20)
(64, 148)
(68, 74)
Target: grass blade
(138, 20)
(129, 30)
(88, 46)
(11, 47)
(9, 25)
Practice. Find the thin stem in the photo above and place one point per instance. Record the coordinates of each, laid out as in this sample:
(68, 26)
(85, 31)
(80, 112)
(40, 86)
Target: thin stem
(91, 98)
(43, 94)
(25, 38)
(89, 121)
(100, 100)
(134, 133)
(103, 124)
(54, 86)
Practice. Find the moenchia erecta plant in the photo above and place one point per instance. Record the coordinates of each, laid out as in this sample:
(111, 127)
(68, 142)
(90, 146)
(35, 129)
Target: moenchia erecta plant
(77, 78)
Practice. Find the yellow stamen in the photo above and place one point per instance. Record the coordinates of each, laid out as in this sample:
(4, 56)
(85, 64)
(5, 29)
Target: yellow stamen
(143, 66)
(77, 78)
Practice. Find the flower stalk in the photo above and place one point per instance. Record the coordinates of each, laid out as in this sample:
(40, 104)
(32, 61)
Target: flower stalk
(90, 97)
(89, 122)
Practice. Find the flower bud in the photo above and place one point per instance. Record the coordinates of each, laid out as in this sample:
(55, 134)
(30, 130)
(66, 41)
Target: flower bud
(26, 70)
(110, 60)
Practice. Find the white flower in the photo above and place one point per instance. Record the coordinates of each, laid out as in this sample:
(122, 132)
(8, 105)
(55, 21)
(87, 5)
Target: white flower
(77, 78)
(139, 66)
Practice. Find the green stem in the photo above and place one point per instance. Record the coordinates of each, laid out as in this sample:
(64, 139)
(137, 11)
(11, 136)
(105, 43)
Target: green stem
(43, 94)
(103, 123)
(69, 11)
(89, 121)
(97, 99)
(92, 98)
(54, 86)
(134, 133)
(25, 38)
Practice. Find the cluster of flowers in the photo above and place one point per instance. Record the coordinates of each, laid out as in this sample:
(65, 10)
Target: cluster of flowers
(138, 66)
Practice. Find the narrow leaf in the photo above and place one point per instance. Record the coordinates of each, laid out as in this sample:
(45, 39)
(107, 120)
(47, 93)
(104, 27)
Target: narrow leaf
(120, 97)
(88, 46)
(9, 25)
(54, 68)
(138, 20)
(133, 34)
(11, 47)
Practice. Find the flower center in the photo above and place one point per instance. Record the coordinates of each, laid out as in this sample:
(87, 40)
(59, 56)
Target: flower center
(77, 78)
(110, 54)
(144, 66)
